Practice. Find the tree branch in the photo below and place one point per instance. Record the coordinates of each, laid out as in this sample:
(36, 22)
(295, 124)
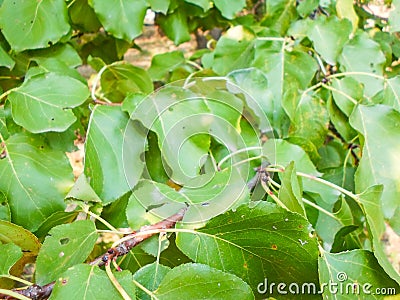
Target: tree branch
(37, 292)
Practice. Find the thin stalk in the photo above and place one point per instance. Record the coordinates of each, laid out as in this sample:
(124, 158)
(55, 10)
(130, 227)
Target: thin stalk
(21, 280)
(236, 152)
(100, 219)
(354, 101)
(273, 196)
(116, 284)
(196, 65)
(336, 75)
(144, 289)
(13, 294)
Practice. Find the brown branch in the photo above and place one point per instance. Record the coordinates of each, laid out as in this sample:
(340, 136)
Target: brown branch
(37, 292)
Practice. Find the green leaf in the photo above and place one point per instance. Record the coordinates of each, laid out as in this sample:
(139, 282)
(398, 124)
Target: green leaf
(204, 4)
(5, 59)
(123, 19)
(33, 24)
(83, 16)
(58, 218)
(66, 246)
(171, 113)
(234, 50)
(372, 62)
(350, 87)
(394, 17)
(254, 243)
(112, 135)
(61, 52)
(9, 255)
(50, 96)
(391, 93)
(372, 208)
(229, 8)
(356, 273)
(159, 5)
(306, 7)
(209, 284)
(291, 190)
(345, 10)
(280, 14)
(175, 26)
(82, 191)
(343, 239)
(340, 121)
(304, 128)
(91, 283)
(162, 65)
(150, 277)
(329, 36)
(121, 78)
(36, 179)
(379, 162)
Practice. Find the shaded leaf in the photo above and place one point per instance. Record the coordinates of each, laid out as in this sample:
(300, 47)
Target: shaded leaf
(175, 26)
(204, 4)
(50, 96)
(35, 180)
(347, 86)
(254, 243)
(210, 283)
(66, 246)
(123, 19)
(291, 190)
(280, 13)
(91, 283)
(111, 134)
(121, 78)
(150, 276)
(162, 65)
(33, 24)
(83, 16)
(5, 59)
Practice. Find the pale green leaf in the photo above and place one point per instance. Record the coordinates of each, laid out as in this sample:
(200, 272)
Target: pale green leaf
(229, 8)
(345, 10)
(394, 17)
(5, 59)
(150, 276)
(50, 96)
(9, 255)
(33, 24)
(162, 65)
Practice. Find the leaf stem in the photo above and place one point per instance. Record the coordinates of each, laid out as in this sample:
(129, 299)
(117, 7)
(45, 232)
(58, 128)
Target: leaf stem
(328, 87)
(100, 219)
(144, 289)
(13, 294)
(116, 284)
(21, 280)
(6, 93)
(272, 195)
(237, 152)
(355, 73)
(196, 65)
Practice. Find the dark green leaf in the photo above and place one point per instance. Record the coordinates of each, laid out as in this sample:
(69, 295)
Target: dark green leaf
(280, 13)
(175, 26)
(36, 179)
(343, 239)
(204, 4)
(113, 136)
(58, 218)
(162, 65)
(66, 246)
(91, 283)
(121, 78)
(83, 16)
(210, 283)
(5, 59)
(33, 24)
(150, 276)
(123, 19)
(264, 241)
(50, 96)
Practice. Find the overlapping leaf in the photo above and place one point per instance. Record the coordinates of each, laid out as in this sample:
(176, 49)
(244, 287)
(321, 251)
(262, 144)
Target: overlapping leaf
(113, 136)
(34, 179)
(254, 243)
(50, 96)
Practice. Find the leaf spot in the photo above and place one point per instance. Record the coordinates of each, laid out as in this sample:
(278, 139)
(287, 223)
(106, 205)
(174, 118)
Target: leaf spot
(302, 242)
(274, 227)
(274, 247)
(64, 241)
(61, 254)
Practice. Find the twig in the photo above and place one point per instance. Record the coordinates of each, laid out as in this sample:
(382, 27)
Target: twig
(37, 292)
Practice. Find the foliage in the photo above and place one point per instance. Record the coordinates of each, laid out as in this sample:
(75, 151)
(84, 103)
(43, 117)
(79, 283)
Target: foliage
(281, 139)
